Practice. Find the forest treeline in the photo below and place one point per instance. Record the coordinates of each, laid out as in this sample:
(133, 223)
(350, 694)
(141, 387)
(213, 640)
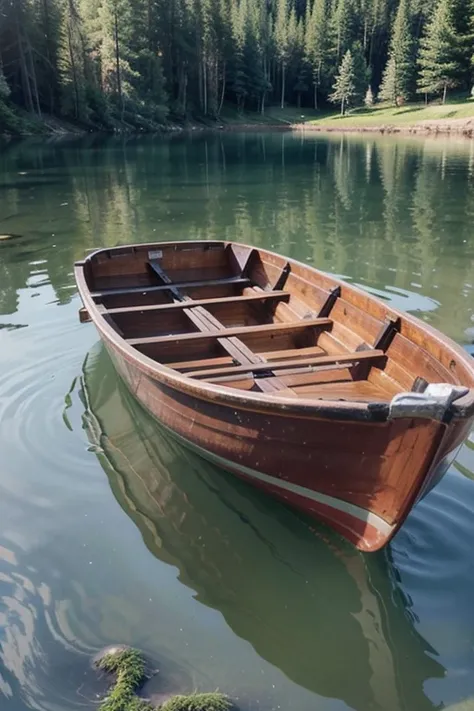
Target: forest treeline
(109, 63)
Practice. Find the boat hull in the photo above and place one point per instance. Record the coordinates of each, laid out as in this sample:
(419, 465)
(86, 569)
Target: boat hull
(305, 386)
(361, 479)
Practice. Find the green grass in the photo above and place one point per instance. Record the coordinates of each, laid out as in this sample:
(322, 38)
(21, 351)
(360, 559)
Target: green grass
(380, 115)
(272, 116)
(128, 667)
(198, 702)
(385, 115)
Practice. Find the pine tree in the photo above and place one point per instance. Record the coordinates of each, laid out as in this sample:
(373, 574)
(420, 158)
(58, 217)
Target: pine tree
(71, 63)
(281, 43)
(343, 24)
(317, 43)
(397, 81)
(46, 41)
(439, 56)
(116, 24)
(18, 34)
(361, 72)
(101, 61)
(238, 79)
(146, 57)
(369, 97)
(344, 88)
(5, 90)
(300, 65)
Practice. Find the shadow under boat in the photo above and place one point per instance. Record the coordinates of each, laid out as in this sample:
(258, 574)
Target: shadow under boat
(331, 619)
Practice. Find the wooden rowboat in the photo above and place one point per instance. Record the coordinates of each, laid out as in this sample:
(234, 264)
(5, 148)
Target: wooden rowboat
(306, 386)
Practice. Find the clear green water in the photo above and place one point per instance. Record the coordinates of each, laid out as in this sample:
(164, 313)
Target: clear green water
(110, 532)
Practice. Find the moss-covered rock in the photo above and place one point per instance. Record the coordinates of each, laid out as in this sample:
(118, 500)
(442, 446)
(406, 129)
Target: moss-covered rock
(128, 667)
(198, 702)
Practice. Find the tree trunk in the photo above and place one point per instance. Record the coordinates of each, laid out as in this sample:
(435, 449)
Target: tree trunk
(298, 101)
(74, 71)
(283, 68)
(342, 106)
(33, 79)
(185, 92)
(204, 86)
(315, 96)
(223, 90)
(25, 80)
(444, 91)
(49, 55)
(150, 25)
(117, 62)
(215, 85)
(200, 85)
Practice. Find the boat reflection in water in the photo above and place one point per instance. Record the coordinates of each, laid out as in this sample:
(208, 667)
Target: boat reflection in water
(331, 619)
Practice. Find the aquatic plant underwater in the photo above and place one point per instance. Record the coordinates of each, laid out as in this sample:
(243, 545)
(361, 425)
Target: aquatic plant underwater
(128, 667)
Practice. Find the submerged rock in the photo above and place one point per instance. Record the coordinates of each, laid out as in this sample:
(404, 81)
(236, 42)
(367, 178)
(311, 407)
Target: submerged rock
(112, 651)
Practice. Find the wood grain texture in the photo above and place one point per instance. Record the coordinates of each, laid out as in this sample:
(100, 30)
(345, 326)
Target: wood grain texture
(320, 435)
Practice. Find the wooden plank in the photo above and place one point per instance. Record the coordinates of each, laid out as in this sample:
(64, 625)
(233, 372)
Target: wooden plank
(238, 350)
(292, 363)
(238, 281)
(84, 316)
(267, 328)
(332, 297)
(269, 356)
(205, 321)
(261, 296)
(156, 267)
(108, 318)
(281, 281)
(387, 333)
(292, 378)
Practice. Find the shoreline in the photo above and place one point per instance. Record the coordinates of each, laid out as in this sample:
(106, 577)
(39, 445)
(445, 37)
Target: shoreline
(458, 127)
(437, 127)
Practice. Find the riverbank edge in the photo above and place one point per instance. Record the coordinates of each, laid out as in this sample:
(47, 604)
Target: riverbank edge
(457, 127)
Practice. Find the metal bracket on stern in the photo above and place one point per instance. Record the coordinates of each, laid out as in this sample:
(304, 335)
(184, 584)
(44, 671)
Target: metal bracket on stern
(432, 403)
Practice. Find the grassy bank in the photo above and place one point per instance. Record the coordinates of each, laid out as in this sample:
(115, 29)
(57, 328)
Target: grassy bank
(456, 116)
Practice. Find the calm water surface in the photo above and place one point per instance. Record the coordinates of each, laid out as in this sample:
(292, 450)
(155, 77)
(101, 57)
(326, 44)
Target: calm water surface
(111, 532)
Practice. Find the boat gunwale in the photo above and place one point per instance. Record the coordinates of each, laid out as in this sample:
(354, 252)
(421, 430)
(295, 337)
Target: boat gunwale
(373, 412)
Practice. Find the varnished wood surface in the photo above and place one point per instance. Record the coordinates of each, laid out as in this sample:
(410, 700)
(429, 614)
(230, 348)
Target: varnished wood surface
(289, 388)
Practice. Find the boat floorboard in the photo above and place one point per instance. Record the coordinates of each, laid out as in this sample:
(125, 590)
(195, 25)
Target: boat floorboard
(301, 371)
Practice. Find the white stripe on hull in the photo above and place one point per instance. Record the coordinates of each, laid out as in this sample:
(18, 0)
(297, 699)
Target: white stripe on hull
(345, 507)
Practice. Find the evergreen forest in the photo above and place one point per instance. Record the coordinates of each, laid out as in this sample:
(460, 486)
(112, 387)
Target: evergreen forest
(139, 63)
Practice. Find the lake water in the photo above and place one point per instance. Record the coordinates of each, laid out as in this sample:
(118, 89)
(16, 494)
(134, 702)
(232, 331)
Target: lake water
(111, 532)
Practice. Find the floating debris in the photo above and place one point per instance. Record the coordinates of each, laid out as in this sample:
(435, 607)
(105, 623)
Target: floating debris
(8, 236)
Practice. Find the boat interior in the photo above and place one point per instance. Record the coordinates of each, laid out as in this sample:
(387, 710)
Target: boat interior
(242, 318)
